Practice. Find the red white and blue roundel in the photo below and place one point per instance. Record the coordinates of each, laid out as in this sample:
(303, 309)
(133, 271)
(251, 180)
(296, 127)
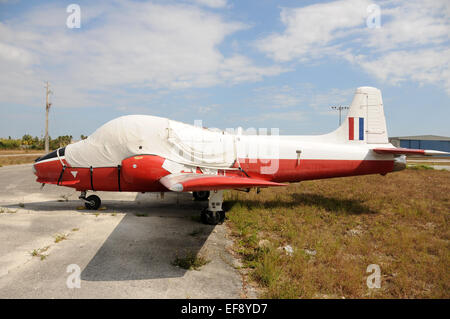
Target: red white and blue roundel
(356, 128)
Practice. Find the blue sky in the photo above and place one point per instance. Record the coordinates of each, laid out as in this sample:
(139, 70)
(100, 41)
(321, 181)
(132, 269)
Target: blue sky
(261, 64)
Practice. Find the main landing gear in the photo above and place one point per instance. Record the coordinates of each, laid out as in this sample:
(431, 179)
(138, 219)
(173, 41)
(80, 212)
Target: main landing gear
(214, 214)
(201, 195)
(91, 202)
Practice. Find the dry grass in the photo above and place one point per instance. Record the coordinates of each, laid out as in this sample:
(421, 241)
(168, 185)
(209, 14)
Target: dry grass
(400, 222)
(20, 151)
(14, 160)
(7, 211)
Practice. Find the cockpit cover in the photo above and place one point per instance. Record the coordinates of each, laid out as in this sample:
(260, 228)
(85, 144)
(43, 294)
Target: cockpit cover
(143, 134)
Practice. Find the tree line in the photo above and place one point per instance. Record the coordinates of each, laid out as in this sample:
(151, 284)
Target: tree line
(35, 143)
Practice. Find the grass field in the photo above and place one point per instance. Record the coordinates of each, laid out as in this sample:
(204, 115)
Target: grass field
(20, 151)
(430, 163)
(9, 157)
(14, 160)
(337, 227)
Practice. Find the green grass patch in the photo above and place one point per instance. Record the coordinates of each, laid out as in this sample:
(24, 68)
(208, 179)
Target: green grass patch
(40, 253)
(141, 214)
(190, 261)
(60, 237)
(419, 167)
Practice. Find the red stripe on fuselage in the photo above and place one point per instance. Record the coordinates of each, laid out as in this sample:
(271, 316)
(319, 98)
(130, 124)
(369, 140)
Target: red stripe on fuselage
(145, 178)
(290, 170)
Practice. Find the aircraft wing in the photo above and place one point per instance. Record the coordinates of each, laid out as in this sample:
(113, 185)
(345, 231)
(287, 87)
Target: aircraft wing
(407, 151)
(187, 182)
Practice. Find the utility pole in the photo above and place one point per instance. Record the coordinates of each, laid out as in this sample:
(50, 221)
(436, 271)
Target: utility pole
(340, 108)
(47, 109)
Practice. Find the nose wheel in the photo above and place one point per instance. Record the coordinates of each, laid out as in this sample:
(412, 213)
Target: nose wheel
(214, 214)
(92, 202)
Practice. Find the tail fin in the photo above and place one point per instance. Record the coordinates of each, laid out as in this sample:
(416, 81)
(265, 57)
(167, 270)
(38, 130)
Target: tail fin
(365, 122)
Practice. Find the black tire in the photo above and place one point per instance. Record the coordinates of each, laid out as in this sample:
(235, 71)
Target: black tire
(201, 196)
(93, 202)
(212, 218)
(222, 216)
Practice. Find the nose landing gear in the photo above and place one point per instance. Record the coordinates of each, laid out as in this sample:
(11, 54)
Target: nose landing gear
(214, 214)
(92, 202)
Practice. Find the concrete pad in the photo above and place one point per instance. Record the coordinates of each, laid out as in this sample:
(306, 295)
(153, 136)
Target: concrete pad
(123, 251)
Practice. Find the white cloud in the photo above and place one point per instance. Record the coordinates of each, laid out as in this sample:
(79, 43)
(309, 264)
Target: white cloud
(212, 3)
(15, 55)
(239, 68)
(302, 96)
(411, 45)
(411, 24)
(124, 43)
(322, 101)
(206, 108)
(311, 29)
(276, 97)
(284, 100)
(287, 116)
(423, 66)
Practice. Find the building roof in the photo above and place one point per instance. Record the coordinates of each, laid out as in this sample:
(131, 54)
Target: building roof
(422, 138)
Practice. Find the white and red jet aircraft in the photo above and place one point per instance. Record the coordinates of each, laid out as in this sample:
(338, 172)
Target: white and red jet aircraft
(140, 153)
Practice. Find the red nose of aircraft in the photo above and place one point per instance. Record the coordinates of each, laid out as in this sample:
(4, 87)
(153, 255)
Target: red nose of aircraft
(49, 166)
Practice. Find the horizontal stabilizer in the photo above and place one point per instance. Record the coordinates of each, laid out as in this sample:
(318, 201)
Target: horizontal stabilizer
(408, 151)
(187, 182)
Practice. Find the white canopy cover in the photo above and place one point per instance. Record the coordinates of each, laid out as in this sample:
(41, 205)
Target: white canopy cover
(143, 134)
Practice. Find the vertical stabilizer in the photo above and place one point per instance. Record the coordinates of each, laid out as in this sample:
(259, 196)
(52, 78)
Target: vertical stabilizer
(365, 122)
